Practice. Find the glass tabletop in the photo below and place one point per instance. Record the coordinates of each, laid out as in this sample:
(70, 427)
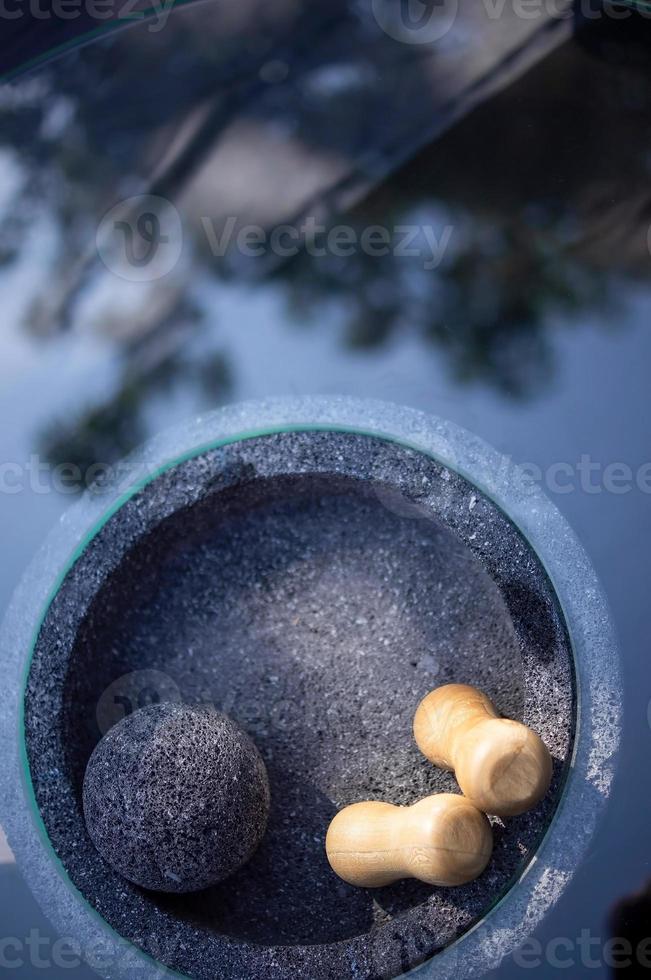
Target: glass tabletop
(219, 202)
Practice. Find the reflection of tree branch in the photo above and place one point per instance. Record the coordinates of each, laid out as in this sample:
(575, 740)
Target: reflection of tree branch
(244, 89)
(398, 143)
(107, 432)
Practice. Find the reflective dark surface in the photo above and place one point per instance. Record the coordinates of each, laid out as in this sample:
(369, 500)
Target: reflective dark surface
(523, 316)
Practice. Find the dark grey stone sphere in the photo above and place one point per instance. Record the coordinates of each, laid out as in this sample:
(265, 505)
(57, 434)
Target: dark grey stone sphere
(176, 797)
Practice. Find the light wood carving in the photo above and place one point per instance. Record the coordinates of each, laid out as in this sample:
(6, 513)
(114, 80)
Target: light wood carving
(502, 766)
(442, 840)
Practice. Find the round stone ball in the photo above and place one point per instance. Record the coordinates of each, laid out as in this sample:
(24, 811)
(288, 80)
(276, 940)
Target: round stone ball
(176, 797)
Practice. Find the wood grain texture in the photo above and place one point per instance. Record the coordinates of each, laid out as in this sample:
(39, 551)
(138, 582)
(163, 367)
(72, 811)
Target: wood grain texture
(441, 840)
(502, 766)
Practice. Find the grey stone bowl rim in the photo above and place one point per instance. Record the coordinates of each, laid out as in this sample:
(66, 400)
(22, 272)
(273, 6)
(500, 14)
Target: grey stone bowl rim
(594, 647)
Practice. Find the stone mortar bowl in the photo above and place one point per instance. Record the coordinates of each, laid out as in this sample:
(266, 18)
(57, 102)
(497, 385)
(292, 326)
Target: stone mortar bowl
(312, 567)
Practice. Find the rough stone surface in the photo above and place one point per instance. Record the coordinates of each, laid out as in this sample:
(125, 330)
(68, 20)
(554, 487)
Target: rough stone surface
(314, 586)
(175, 797)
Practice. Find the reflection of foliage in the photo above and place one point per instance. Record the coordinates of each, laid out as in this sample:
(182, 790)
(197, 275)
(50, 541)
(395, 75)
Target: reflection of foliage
(102, 434)
(511, 178)
(488, 305)
(552, 216)
(496, 309)
(105, 433)
(537, 198)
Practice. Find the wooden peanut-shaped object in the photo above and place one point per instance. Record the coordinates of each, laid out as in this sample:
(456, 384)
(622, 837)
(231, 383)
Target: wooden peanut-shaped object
(502, 766)
(442, 840)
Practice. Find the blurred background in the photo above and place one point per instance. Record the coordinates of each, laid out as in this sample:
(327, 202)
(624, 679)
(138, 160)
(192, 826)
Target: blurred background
(491, 174)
